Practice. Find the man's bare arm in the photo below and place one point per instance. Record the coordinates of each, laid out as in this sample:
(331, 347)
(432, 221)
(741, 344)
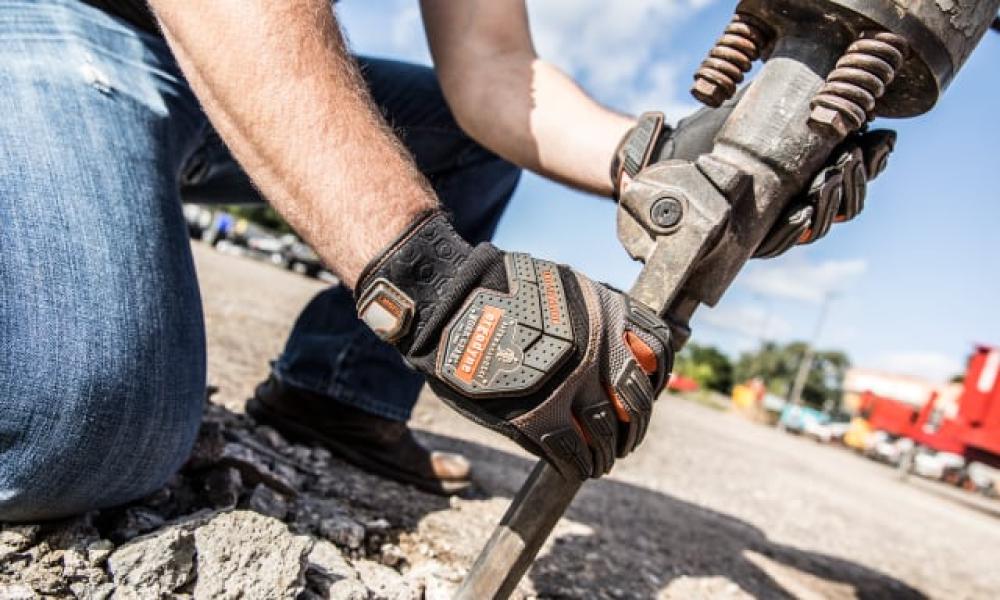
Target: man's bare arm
(277, 82)
(514, 103)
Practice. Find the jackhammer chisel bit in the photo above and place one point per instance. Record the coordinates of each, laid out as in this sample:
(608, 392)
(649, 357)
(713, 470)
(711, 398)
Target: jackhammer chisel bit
(830, 67)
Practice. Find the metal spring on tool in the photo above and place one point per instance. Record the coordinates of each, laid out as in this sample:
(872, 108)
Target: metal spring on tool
(860, 78)
(733, 55)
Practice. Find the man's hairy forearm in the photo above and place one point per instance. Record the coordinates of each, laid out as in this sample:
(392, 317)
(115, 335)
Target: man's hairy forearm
(277, 83)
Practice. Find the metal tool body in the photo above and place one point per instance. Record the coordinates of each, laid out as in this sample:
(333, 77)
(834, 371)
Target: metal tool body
(774, 140)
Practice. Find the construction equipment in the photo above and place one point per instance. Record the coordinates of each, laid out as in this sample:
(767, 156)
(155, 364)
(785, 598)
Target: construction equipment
(954, 435)
(831, 66)
(973, 430)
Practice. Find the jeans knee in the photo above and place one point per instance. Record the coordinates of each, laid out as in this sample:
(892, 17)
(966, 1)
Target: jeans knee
(98, 437)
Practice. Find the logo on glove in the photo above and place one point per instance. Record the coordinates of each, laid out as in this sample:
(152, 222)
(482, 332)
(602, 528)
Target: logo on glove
(508, 342)
(485, 347)
(552, 292)
(478, 343)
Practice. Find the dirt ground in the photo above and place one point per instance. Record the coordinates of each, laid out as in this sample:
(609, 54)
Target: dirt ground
(711, 507)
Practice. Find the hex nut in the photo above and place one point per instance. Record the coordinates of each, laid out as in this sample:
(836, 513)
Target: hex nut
(709, 93)
(831, 119)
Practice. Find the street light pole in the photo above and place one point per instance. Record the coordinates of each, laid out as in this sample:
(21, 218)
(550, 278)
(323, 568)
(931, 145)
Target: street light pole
(805, 365)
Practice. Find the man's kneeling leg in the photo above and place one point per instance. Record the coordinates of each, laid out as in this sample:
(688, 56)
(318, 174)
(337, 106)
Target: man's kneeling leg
(75, 439)
(102, 345)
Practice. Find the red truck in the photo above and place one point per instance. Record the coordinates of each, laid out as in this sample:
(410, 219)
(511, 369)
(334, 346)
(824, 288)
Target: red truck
(953, 446)
(975, 431)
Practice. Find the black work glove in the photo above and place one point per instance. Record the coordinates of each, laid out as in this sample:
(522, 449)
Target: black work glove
(565, 367)
(836, 193)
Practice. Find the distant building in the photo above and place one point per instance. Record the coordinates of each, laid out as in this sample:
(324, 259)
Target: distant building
(913, 391)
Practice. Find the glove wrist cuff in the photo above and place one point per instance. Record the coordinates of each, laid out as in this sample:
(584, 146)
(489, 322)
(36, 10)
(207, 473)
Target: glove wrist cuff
(398, 288)
(637, 149)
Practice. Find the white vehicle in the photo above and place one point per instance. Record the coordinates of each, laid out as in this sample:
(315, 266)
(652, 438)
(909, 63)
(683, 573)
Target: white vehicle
(934, 465)
(826, 432)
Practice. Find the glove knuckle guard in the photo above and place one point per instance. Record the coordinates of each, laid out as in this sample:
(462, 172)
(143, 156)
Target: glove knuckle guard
(569, 453)
(635, 391)
(508, 343)
(876, 146)
(855, 186)
(601, 429)
(787, 232)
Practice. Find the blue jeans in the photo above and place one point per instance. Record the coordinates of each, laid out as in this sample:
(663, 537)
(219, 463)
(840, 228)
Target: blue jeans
(102, 345)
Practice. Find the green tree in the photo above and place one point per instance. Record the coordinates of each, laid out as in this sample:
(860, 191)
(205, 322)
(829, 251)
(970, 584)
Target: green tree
(707, 365)
(777, 364)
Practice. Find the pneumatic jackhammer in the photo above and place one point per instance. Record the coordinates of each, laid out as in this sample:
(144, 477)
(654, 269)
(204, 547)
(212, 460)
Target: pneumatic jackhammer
(830, 67)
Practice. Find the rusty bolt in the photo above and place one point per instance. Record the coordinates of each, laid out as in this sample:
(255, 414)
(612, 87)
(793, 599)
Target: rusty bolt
(709, 93)
(666, 212)
(859, 79)
(832, 119)
(731, 57)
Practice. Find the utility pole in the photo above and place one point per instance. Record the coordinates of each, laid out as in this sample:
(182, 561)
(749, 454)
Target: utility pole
(765, 328)
(805, 365)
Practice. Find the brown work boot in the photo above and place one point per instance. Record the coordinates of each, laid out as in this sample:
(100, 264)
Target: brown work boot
(381, 446)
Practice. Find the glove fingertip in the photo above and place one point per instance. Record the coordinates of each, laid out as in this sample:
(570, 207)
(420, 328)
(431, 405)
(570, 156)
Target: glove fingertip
(876, 147)
(877, 136)
(568, 452)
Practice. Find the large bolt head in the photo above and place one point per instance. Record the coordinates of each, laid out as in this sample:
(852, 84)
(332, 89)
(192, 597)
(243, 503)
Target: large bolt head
(831, 119)
(666, 212)
(709, 93)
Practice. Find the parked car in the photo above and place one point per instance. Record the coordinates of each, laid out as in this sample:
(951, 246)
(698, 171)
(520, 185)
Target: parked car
(830, 431)
(795, 418)
(299, 257)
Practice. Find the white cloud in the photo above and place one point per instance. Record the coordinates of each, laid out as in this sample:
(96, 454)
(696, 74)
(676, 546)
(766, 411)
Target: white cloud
(408, 34)
(615, 50)
(750, 321)
(391, 29)
(927, 365)
(663, 88)
(802, 279)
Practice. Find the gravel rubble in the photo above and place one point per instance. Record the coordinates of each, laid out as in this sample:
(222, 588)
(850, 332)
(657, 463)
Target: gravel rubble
(248, 516)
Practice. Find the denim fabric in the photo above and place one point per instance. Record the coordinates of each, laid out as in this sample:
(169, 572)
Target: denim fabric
(102, 349)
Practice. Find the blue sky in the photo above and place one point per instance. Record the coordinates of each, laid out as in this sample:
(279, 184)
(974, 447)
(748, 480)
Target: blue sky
(915, 277)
